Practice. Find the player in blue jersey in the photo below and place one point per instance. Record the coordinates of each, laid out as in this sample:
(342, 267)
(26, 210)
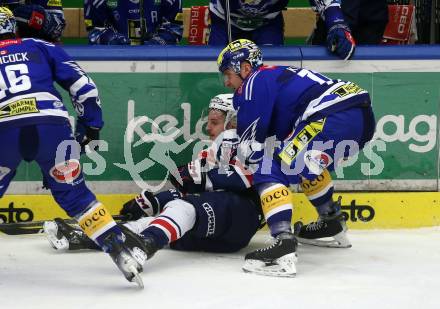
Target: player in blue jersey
(262, 22)
(34, 125)
(367, 20)
(298, 125)
(212, 210)
(42, 19)
(118, 22)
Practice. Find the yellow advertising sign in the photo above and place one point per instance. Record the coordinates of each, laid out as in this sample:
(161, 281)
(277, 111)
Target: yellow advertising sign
(393, 210)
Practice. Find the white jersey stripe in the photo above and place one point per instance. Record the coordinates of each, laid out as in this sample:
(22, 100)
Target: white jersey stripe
(277, 210)
(76, 86)
(93, 93)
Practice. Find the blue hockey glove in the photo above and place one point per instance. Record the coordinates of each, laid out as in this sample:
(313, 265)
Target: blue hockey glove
(155, 40)
(34, 21)
(85, 134)
(107, 36)
(340, 41)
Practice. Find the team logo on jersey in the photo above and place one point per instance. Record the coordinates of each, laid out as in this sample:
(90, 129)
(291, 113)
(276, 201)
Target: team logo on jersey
(317, 161)
(20, 107)
(301, 140)
(248, 145)
(211, 219)
(66, 172)
(252, 2)
(344, 90)
(112, 4)
(54, 3)
(57, 104)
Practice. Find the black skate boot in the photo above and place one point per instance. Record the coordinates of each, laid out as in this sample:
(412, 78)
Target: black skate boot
(63, 236)
(328, 231)
(129, 261)
(145, 244)
(130, 252)
(276, 260)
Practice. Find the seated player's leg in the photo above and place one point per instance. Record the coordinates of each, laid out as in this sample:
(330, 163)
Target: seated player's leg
(67, 185)
(177, 218)
(272, 33)
(218, 35)
(140, 210)
(64, 236)
(225, 222)
(279, 258)
(10, 157)
(218, 32)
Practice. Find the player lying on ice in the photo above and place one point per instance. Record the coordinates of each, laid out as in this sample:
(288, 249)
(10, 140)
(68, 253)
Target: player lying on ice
(222, 217)
(236, 212)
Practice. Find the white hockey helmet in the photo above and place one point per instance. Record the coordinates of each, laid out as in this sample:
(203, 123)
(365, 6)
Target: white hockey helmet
(223, 102)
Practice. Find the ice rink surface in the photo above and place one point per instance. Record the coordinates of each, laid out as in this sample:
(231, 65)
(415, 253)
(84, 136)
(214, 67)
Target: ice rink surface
(384, 269)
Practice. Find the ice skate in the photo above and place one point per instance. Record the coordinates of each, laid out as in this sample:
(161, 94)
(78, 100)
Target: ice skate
(327, 231)
(63, 236)
(130, 253)
(276, 260)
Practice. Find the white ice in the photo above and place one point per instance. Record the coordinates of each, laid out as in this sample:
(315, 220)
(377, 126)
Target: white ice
(384, 269)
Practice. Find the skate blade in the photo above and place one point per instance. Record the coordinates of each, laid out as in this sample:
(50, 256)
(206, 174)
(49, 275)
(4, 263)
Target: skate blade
(282, 267)
(136, 277)
(340, 240)
(50, 229)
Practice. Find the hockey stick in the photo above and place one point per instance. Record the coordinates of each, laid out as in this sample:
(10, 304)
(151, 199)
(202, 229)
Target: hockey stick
(228, 21)
(142, 25)
(34, 227)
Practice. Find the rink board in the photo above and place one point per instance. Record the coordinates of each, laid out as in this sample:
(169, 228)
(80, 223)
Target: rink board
(169, 88)
(363, 210)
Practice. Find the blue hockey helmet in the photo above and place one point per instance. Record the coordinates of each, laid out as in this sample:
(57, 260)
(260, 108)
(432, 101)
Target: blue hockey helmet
(7, 21)
(238, 51)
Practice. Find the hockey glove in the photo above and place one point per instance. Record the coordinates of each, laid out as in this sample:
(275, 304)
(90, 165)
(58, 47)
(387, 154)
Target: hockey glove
(107, 36)
(144, 204)
(34, 21)
(155, 40)
(148, 205)
(85, 134)
(340, 41)
(193, 177)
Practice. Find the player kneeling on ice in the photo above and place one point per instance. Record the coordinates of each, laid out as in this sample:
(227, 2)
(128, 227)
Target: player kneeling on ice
(294, 121)
(34, 124)
(222, 217)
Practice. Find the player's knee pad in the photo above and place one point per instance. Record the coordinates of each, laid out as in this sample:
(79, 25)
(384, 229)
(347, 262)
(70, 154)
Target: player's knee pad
(319, 190)
(180, 213)
(96, 220)
(275, 198)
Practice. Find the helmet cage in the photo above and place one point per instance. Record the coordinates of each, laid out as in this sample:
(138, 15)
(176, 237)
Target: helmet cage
(223, 102)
